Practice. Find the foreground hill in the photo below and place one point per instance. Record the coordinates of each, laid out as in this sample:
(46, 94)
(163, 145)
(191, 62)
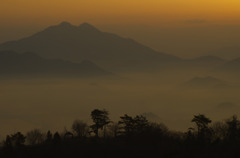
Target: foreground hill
(12, 63)
(85, 42)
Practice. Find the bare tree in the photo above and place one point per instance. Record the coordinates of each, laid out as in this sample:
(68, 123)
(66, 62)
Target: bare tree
(233, 128)
(113, 129)
(15, 140)
(35, 137)
(80, 128)
(220, 130)
(49, 137)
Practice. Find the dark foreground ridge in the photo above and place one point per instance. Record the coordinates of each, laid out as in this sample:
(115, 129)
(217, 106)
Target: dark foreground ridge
(129, 137)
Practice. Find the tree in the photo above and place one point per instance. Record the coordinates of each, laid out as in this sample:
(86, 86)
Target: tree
(141, 123)
(56, 138)
(16, 140)
(49, 137)
(100, 119)
(131, 125)
(80, 128)
(113, 129)
(220, 130)
(233, 127)
(35, 137)
(202, 122)
(7, 142)
(127, 123)
(158, 128)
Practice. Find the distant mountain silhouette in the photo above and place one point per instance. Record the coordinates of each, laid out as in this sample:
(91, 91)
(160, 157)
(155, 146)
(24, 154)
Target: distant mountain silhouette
(209, 59)
(151, 116)
(230, 67)
(230, 52)
(199, 64)
(12, 63)
(77, 43)
(209, 62)
(206, 82)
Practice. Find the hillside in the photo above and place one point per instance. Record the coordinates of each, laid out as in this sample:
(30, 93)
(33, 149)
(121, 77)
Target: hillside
(12, 63)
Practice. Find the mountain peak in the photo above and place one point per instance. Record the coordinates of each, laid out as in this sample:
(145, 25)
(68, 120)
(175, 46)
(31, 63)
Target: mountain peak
(62, 26)
(65, 24)
(86, 26)
(75, 43)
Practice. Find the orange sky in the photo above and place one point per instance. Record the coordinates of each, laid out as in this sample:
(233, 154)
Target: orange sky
(119, 11)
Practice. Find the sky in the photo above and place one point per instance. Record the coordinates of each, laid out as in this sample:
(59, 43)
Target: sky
(186, 28)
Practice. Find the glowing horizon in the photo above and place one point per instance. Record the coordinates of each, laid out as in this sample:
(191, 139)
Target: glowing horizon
(120, 11)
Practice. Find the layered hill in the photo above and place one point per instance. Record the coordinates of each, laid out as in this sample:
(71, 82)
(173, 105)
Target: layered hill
(206, 82)
(12, 63)
(232, 66)
(208, 60)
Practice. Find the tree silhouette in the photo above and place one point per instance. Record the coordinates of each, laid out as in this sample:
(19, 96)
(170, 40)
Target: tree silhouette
(100, 119)
(80, 128)
(16, 140)
(68, 135)
(7, 142)
(56, 138)
(233, 128)
(219, 131)
(49, 137)
(139, 136)
(202, 122)
(114, 129)
(127, 123)
(35, 137)
(141, 123)
(132, 125)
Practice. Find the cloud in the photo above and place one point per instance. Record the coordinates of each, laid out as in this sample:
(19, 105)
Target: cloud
(196, 21)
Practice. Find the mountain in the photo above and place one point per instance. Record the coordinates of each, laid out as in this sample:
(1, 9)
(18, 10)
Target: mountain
(209, 59)
(209, 62)
(151, 116)
(85, 42)
(205, 82)
(12, 63)
(199, 64)
(232, 66)
(230, 52)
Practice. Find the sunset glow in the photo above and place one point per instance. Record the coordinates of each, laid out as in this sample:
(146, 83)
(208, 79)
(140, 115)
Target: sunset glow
(120, 11)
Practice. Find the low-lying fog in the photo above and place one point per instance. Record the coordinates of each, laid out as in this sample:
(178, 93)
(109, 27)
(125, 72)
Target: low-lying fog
(54, 103)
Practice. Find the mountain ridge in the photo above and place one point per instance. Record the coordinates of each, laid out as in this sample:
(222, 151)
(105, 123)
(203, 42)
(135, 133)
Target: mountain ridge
(30, 63)
(77, 43)
(203, 82)
(232, 67)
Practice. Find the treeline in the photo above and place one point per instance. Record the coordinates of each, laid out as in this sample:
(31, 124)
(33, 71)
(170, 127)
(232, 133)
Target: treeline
(129, 137)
